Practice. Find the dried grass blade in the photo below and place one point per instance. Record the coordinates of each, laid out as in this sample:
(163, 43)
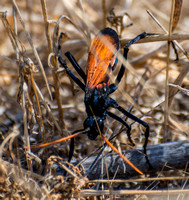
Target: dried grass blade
(177, 12)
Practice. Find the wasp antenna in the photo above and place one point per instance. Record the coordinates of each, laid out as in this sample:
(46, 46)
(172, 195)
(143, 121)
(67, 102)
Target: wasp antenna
(62, 38)
(54, 142)
(136, 39)
(121, 155)
(59, 43)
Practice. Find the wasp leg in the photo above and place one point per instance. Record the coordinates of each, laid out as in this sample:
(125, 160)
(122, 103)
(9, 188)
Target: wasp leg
(114, 104)
(124, 123)
(125, 52)
(113, 86)
(71, 74)
(175, 50)
(76, 66)
(83, 131)
(71, 149)
(136, 119)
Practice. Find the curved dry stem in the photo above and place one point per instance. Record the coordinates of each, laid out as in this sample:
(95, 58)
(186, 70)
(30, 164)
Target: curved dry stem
(33, 47)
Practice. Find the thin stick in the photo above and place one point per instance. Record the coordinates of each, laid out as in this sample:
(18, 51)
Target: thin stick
(166, 105)
(44, 10)
(90, 192)
(171, 178)
(184, 90)
(158, 37)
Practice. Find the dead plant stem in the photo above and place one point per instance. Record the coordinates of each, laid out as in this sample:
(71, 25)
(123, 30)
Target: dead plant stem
(39, 115)
(166, 106)
(54, 64)
(33, 47)
(25, 88)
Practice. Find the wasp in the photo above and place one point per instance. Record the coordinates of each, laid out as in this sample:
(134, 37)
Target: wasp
(97, 85)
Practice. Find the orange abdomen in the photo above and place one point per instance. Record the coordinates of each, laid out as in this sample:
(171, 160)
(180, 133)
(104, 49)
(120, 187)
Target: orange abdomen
(101, 58)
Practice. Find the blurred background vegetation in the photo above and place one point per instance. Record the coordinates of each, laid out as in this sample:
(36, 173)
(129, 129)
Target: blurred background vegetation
(39, 103)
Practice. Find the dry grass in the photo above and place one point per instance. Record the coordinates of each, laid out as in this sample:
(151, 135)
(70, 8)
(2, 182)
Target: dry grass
(39, 103)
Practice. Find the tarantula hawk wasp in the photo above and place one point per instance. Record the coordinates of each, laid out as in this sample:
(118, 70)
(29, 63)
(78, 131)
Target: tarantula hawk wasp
(101, 61)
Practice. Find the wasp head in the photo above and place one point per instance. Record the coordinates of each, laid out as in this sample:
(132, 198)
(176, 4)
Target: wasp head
(95, 126)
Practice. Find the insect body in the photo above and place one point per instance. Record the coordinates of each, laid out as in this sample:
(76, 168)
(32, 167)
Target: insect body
(101, 61)
(97, 87)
